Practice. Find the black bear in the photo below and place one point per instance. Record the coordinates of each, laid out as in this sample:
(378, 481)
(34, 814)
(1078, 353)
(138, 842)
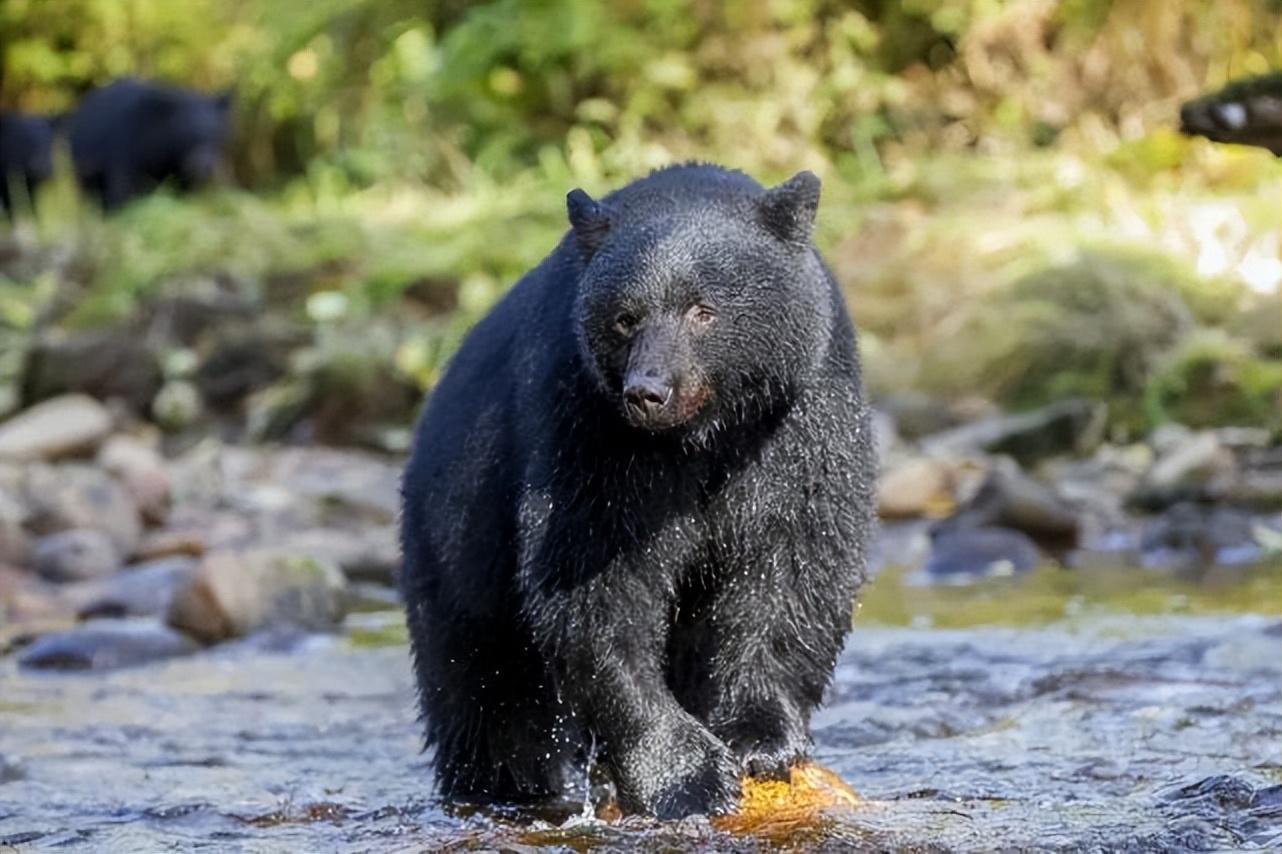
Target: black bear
(129, 136)
(637, 506)
(26, 154)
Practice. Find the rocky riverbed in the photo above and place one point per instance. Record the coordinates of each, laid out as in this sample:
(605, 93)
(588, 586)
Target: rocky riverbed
(1099, 733)
(1068, 644)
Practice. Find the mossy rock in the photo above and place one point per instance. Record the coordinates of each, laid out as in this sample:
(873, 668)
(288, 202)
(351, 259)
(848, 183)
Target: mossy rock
(1214, 380)
(1094, 327)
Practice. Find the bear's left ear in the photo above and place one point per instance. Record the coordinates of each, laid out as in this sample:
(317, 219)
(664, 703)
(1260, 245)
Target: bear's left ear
(590, 221)
(789, 209)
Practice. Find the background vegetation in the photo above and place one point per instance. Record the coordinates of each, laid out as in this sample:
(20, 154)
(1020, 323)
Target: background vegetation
(1007, 201)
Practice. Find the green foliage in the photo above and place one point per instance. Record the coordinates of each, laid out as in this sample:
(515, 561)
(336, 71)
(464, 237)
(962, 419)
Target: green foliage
(1216, 381)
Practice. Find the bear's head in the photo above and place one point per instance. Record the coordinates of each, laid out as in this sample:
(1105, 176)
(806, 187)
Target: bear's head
(702, 313)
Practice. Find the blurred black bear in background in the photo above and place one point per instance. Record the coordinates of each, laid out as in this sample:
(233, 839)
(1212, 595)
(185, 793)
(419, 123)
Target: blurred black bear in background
(130, 136)
(1246, 112)
(26, 154)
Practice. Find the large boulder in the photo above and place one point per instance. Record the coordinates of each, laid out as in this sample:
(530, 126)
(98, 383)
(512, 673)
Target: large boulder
(109, 363)
(58, 427)
(234, 593)
(105, 644)
(1067, 427)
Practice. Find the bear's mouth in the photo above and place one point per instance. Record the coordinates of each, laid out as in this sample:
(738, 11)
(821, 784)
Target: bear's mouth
(685, 403)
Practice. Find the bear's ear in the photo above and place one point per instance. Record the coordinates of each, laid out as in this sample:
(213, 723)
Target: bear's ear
(789, 209)
(590, 221)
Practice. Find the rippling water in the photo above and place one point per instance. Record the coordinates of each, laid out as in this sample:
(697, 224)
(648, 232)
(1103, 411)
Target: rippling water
(1104, 730)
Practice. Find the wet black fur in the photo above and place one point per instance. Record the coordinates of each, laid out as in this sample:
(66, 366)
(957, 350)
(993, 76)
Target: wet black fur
(675, 596)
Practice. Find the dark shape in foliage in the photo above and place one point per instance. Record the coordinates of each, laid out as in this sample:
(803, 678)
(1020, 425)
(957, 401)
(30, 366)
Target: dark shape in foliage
(1247, 112)
(26, 154)
(130, 136)
(637, 508)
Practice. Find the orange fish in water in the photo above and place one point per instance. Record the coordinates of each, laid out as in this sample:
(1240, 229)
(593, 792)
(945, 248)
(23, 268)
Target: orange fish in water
(781, 809)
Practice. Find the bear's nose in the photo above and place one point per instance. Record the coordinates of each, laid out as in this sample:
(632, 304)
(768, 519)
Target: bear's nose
(647, 395)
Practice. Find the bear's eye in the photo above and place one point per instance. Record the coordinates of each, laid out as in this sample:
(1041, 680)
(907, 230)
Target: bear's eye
(701, 315)
(625, 324)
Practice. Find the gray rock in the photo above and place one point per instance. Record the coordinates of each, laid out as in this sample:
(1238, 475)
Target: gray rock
(234, 593)
(112, 363)
(1188, 468)
(15, 544)
(71, 495)
(370, 554)
(1069, 426)
(55, 428)
(142, 470)
(972, 553)
(106, 644)
(75, 555)
(177, 405)
(143, 590)
(1008, 498)
(1191, 538)
(914, 488)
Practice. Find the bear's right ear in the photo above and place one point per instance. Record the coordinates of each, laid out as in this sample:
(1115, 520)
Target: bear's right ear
(590, 221)
(789, 209)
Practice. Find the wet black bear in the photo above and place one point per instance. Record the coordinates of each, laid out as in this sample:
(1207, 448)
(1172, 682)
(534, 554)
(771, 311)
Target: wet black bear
(637, 507)
(130, 135)
(26, 155)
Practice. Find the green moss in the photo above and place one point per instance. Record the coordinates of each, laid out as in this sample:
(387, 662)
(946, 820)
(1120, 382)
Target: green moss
(1050, 594)
(376, 636)
(1216, 381)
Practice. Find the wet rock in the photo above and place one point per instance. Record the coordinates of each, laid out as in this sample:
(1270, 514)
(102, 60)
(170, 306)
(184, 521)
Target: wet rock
(55, 428)
(105, 364)
(177, 405)
(1189, 537)
(15, 544)
(11, 770)
(350, 486)
(236, 592)
(370, 554)
(142, 590)
(1187, 468)
(25, 598)
(1102, 484)
(920, 486)
(71, 495)
(106, 644)
(1070, 426)
(243, 359)
(76, 555)
(142, 470)
(1008, 498)
(970, 553)
(916, 415)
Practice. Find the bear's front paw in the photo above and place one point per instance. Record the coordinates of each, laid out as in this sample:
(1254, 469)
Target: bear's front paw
(681, 771)
(767, 741)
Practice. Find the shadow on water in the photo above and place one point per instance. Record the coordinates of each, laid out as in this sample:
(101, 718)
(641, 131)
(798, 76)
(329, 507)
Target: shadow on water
(1058, 710)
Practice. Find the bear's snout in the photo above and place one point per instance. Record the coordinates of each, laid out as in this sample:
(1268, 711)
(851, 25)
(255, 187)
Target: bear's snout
(646, 395)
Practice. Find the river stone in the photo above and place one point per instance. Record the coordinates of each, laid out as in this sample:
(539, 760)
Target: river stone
(972, 553)
(55, 428)
(106, 644)
(917, 487)
(107, 363)
(1009, 498)
(78, 554)
(1069, 426)
(370, 554)
(142, 590)
(233, 593)
(72, 495)
(142, 470)
(1188, 468)
(15, 544)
